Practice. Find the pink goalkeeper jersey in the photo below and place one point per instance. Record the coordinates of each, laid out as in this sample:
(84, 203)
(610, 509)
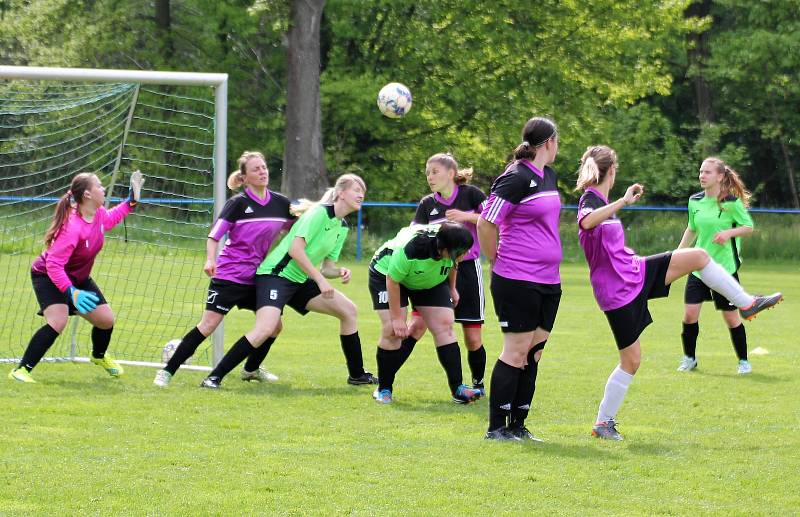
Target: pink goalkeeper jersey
(70, 257)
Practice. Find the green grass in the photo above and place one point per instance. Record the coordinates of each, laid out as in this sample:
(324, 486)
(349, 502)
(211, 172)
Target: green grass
(707, 442)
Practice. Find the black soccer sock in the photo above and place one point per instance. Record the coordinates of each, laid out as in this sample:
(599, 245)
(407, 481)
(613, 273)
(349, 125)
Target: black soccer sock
(41, 341)
(406, 347)
(351, 346)
(501, 393)
(524, 395)
(258, 355)
(100, 340)
(689, 338)
(477, 364)
(389, 362)
(739, 340)
(450, 359)
(185, 350)
(238, 353)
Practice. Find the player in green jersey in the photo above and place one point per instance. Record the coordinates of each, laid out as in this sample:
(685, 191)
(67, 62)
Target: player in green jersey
(419, 264)
(296, 273)
(718, 219)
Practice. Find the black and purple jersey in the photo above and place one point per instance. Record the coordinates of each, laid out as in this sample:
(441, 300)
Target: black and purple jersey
(525, 205)
(432, 208)
(615, 271)
(252, 224)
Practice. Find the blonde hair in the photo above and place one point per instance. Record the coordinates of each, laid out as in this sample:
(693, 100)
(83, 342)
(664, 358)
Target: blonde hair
(343, 182)
(731, 182)
(595, 164)
(237, 177)
(462, 176)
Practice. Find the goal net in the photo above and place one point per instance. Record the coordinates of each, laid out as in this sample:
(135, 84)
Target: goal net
(55, 123)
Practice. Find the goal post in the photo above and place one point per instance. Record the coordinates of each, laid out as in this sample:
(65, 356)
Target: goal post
(56, 122)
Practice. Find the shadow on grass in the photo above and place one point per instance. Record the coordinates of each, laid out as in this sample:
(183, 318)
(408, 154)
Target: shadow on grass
(750, 377)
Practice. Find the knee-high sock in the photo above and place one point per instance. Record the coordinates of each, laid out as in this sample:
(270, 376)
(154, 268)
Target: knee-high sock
(715, 277)
(389, 362)
(100, 340)
(689, 338)
(40, 342)
(526, 387)
(739, 340)
(616, 387)
(238, 352)
(450, 359)
(258, 355)
(501, 393)
(477, 364)
(406, 347)
(185, 350)
(351, 346)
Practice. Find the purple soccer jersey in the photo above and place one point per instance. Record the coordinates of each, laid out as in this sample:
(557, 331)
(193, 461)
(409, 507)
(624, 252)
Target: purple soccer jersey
(432, 208)
(252, 224)
(615, 271)
(525, 205)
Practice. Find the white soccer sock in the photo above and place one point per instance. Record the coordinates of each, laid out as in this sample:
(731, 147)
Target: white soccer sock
(616, 388)
(715, 277)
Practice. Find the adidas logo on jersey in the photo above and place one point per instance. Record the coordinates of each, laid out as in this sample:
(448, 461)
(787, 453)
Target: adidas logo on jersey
(533, 183)
(434, 212)
(248, 210)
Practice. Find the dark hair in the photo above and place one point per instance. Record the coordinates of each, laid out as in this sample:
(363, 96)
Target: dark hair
(80, 184)
(453, 237)
(536, 133)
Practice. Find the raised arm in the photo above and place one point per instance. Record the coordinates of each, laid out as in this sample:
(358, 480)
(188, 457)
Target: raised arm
(632, 195)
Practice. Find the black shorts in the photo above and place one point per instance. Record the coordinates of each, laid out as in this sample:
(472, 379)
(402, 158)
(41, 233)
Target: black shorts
(523, 306)
(437, 296)
(223, 295)
(276, 291)
(469, 283)
(629, 321)
(47, 293)
(698, 292)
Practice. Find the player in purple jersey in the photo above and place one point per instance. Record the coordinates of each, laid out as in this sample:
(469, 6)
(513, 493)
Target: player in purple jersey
(523, 211)
(623, 281)
(253, 220)
(60, 275)
(454, 199)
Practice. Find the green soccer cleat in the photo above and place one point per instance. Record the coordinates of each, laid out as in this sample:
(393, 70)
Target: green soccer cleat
(21, 375)
(113, 368)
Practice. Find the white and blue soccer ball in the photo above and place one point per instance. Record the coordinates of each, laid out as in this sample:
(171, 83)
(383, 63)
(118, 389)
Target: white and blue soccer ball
(394, 100)
(169, 350)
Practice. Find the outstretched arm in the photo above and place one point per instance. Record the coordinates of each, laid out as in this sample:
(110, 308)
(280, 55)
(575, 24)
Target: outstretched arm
(596, 217)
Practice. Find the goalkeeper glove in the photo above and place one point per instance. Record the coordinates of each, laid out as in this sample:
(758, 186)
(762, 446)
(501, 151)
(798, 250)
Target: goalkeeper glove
(84, 301)
(135, 194)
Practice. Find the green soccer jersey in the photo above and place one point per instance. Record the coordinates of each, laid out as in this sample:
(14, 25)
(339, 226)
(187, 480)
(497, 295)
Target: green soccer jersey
(411, 258)
(324, 235)
(707, 217)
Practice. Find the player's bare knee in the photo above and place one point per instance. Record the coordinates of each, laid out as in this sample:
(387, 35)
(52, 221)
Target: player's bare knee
(57, 323)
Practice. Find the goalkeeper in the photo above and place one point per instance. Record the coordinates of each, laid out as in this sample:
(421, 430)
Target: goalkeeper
(60, 275)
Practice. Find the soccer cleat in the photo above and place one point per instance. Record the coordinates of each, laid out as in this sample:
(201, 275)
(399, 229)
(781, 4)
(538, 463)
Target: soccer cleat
(21, 375)
(211, 383)
(687, 364)
(109, 365)
(464, 395)
(744, 367)
(260, 375)
(364, 378)
(607, 431)
(761, 303)
(523, 434)
(478, 387)
(162, 378)
(502, 434)
(383, 396)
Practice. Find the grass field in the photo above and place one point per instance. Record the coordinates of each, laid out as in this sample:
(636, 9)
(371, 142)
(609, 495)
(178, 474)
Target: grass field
(707, 442)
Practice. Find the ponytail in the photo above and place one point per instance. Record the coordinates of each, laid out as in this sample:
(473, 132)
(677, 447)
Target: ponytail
(463, 176)
(595, 164)
(731, 183)
(537, 132)
(236, 178)
(79, 185)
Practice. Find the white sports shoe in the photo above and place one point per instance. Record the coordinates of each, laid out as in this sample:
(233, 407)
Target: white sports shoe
(162, 378)
(744, 367)
(687, 364)
(260, 375)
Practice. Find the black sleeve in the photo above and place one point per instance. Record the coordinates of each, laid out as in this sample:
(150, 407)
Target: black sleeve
(230, 211)
(476, 198)
(510, 186)
(421, 216)
(588, 203)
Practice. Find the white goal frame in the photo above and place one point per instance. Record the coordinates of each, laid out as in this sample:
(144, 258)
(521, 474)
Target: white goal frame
(220, 84)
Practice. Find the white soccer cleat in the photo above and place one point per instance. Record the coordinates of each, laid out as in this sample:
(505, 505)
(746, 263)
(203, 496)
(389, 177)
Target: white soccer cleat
(687, 364)
(744, 367)
(260, 375)
(162, 379)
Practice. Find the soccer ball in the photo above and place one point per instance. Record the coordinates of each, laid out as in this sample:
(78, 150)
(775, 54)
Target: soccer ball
(169, 350)
(394, 100)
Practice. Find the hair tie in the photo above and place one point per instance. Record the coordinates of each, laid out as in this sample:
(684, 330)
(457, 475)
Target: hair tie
(526, 144)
